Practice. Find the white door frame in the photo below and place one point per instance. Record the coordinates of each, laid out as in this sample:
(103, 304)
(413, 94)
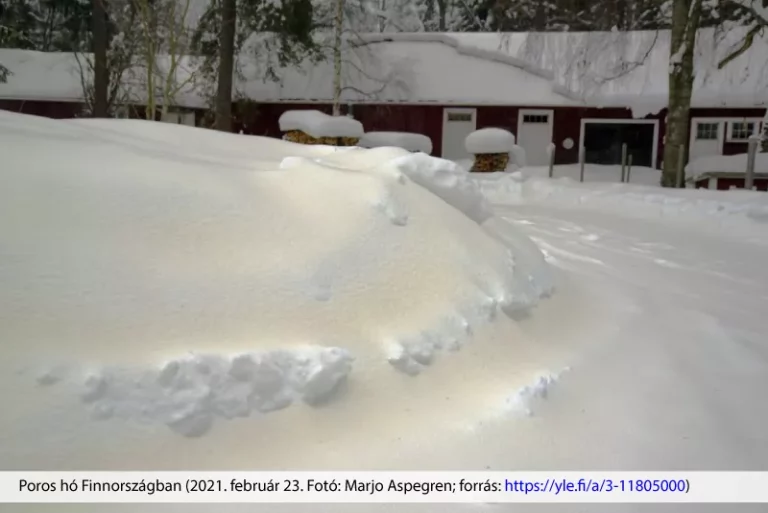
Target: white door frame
(535, 112)
(720, 131)
(456, 110)
(654, 122)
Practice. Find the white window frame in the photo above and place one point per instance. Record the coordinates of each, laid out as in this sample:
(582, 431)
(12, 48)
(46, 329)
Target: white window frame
(721, 132)
(449, 110)
(535, 112)
(698, 124)
(732, 121)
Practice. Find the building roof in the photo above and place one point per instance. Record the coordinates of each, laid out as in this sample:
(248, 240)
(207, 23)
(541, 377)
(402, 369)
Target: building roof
(602, 69)
(630, 69)
(398, 68)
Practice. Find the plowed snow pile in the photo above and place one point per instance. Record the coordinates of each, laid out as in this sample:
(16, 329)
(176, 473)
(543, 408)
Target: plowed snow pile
(157, 276)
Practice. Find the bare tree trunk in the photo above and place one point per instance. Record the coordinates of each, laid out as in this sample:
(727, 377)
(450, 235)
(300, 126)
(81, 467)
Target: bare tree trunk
(339, 29)
(685, 22)
(100, 70)
(226, 65)
(764, 142)
(540, 17)
(442, 5)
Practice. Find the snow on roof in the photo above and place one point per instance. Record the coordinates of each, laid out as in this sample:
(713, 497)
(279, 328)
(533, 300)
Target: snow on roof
(489, 140)
(57, 76)
(41, 76)
(630, 69)
(404, 68)
(405, 140)
(420, 67)
(319, 124)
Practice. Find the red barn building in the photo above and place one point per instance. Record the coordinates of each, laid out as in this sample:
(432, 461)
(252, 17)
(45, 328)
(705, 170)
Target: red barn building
(544, 88)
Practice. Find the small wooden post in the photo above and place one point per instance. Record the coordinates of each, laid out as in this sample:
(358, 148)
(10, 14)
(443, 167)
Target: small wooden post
(749, 177)
(629, 167)
(582, 158)
(623, 160)
(551, 162)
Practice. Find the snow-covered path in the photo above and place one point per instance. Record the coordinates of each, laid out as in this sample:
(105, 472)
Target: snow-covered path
(680, 383)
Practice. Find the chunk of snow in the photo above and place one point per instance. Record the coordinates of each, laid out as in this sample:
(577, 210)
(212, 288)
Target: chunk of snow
(406, 140)
(489, 140)
(447, 180)
(319, 124)
(518, 156)
(185, 277)
(726, 164)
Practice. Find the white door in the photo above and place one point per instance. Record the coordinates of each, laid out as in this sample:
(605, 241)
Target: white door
(534, 133)
(457, 125)
(706, 138)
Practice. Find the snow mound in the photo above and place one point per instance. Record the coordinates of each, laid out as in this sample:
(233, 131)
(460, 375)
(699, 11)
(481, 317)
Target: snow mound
(726, 164)
(518, 156)
(489, 140)
(319, 124)
(406, 140)
(187, 276)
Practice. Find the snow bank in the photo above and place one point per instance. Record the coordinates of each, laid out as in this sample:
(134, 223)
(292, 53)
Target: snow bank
(738, 211)
(489, 140)
(319, 124)
(182, 277)
(407, 140)
(726, 164)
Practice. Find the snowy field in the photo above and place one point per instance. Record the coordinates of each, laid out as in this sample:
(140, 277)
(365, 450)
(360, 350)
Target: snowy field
(175, 298)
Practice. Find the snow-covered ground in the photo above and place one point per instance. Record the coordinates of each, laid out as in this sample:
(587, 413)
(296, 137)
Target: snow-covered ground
(652, 352)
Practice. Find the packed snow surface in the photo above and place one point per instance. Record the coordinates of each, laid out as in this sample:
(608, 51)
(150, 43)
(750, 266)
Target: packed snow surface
(319, 124)
(489, 140)
(407, 140)
(727, 164)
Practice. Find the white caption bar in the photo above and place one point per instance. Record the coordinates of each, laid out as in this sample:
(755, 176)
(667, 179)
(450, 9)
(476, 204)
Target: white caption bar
(383, 487)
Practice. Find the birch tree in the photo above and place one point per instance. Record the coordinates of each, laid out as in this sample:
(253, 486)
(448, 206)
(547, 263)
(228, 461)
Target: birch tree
(226, 65)
(164, 47)
(337, 37)
(685, 23)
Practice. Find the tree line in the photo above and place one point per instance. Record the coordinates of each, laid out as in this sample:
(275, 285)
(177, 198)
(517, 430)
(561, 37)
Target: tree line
(153, 41)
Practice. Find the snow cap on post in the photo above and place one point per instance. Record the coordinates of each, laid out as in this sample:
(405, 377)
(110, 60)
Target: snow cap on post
(407, 140)
(489, 141)
(318, 124)
(491, 147)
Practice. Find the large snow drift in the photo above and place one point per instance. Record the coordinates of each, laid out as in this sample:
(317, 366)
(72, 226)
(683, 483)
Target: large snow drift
(179, 277)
